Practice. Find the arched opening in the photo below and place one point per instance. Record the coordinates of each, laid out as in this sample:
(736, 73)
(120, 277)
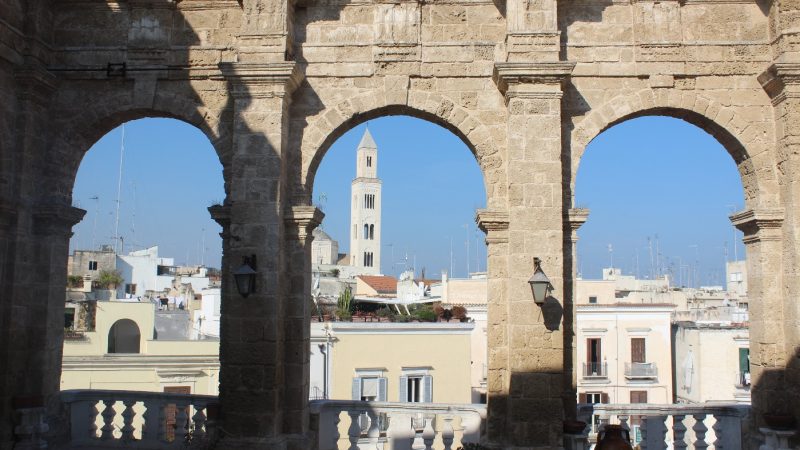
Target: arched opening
(147, 249)
(124, 337)
(661, 275)
(424, 260)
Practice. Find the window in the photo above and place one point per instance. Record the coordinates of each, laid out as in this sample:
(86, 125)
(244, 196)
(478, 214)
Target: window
(369, 201)
(366, 231)
(593, 357)
(130, 288)
(69, 318)
(92, 265)
(372, 232)
(367, 259)
(637, 350)
(744, 367)
(593, 299)
(638, 397)
(369, 161)
(369, 386)
(416, 388)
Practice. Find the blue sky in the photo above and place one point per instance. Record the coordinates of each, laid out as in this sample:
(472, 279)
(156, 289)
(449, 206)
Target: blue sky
(655, 177)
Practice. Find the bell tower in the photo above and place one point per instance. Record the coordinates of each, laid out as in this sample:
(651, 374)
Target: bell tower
(365, 209)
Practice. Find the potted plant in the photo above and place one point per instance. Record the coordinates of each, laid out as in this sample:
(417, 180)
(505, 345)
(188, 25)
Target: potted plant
(109, 279)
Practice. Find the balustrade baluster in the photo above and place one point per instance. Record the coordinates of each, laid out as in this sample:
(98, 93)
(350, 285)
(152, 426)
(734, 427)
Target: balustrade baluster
(107, 431)
(447, 431)
(678, 431)
(401, 433)
(199, 421)
(373, 432)
(152, 425)
(181, 421)
(83, 415)
(127, 420)
(471, 424)
(700, 429)
(428, 434)
(719, 442)
(354, 432)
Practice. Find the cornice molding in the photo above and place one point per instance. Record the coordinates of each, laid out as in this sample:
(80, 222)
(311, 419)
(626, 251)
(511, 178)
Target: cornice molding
(262, 80)
(777, 77)
(511, 76)
(56, 219)
(300, 221)
(494, 224)
(759, 225)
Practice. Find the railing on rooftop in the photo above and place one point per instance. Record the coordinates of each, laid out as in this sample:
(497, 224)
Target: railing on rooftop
(641, 370)
(365, 425)
(140, 420)
(661, 427)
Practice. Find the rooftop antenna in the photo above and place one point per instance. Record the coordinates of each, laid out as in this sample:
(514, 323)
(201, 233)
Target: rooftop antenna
(119, 188)
(611, 255)
(735, 247)
(94, 227)
(133, 216)
(466, 242)
(203, 245)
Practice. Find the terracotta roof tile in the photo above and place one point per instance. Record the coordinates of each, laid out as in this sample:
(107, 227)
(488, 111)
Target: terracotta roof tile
(382, 284)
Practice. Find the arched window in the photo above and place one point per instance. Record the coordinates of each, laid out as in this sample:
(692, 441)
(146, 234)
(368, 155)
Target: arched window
(372, 231)
(366, 231)
(124, 337)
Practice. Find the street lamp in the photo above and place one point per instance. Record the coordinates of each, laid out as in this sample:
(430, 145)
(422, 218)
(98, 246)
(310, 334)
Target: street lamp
(245, 276)
(540, 284)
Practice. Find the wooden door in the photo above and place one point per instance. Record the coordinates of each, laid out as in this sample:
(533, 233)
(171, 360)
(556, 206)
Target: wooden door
(637, 350)
(171, 412)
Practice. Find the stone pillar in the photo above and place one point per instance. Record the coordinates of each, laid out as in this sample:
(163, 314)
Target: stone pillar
(781, 81)
(253, 331)
(495, 225)
(535, 388)
(576, 217)
(300, 221)
(763, 239)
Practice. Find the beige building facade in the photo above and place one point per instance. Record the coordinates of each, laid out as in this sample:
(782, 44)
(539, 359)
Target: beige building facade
(526, 85)
(122, 352)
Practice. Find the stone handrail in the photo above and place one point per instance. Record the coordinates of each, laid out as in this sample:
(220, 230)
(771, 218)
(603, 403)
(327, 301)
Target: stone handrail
(689, 424)
(404, 426)
(140, 420)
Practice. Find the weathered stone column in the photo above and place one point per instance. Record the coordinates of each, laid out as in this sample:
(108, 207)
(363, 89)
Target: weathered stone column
(576, 217)
(535, 405)
(778, 355)
(763, 239)
(253, 329)
(300, 221)
(495, 225)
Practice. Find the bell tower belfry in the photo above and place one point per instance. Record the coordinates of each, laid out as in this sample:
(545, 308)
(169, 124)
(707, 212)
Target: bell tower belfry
(365, 209)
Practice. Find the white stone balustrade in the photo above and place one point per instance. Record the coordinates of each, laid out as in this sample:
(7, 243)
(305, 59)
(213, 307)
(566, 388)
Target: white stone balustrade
(396, 426)
(137, 420)
(694, 427)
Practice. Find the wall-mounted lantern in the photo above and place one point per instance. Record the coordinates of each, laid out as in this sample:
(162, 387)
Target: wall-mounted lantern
(245, 276)
(540, 284)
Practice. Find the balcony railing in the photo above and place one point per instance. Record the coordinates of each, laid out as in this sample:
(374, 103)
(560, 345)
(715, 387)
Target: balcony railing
(641, 370)
(595, 370)
(400, 425)
(674, 426)
(140, 420)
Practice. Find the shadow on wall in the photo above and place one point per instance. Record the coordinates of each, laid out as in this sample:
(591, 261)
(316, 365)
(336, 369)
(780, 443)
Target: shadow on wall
(775, 395)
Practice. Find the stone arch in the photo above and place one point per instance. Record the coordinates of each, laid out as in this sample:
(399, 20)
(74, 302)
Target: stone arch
(435, 108)
(124, 337)
(746, 144)
(77, 133)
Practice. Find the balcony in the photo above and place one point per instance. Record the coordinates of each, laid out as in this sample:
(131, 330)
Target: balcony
(595, 370)
(641, 371)
(677, 426)
(743, 380)
(154, 420)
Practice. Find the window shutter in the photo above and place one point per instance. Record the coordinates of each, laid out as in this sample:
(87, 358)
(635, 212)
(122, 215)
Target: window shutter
(637, 350)
(582, 398)
(403, 389)
(603, 397)
(356, 388)
(381, 389)
(427, 389)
